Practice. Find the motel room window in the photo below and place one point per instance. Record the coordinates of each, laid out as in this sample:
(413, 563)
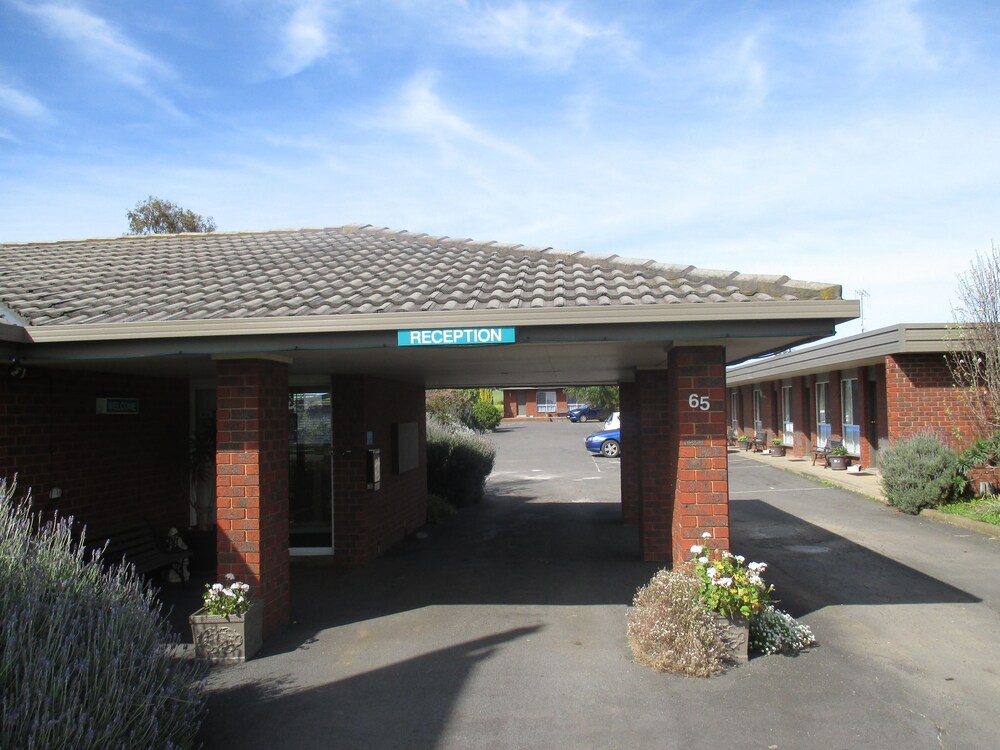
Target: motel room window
(787, 424)
(545, 402)
(850, 398)
(758, 424)
(822, 414)
(734, 410)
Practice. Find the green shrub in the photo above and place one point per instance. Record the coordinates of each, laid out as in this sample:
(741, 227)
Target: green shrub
(918, 473)
(84, 657)
(439, 510)
(671, 631)
(458, 462)
(484, 416)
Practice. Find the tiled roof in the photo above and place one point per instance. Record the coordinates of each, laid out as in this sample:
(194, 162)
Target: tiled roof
(341, 271)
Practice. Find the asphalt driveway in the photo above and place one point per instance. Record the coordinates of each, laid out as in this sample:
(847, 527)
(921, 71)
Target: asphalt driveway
(506, 628)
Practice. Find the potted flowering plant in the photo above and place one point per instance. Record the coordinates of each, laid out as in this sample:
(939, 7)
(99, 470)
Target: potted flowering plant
(733, 588)
(777, 447)
(744, 441)
(228, 627)
(839, 458)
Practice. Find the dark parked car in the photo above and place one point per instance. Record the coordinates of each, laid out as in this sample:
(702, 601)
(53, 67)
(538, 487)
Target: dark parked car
(606, 442)
(587, 414)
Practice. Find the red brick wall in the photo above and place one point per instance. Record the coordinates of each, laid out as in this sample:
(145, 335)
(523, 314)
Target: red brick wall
(368, 522)
(252, 480)
(920, 397)
(113, 470)
(530, 410)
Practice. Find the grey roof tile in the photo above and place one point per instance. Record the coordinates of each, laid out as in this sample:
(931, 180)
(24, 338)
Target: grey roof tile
(343, 271)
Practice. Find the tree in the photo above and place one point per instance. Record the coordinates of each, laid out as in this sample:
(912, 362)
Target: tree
(601, 396)
(974, 359)
(158, 216)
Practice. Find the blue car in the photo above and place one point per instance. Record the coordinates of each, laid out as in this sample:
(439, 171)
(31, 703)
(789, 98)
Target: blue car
(606, 442)
(586, 414)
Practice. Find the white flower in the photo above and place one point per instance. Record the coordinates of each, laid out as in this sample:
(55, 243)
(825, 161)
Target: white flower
(712, 573)
(230, 577)
(703, 559)
(697, 549)
(216, 587)
(740, 558)
(724, 582)
(706, 535)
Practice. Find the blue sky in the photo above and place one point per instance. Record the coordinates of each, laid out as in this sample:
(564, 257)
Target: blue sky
(847, 142)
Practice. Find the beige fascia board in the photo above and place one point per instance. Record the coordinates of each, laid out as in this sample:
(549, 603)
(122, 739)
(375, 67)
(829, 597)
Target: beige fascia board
(854, 351)
(837, 310)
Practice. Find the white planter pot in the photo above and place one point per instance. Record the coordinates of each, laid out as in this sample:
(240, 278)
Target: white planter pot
(219, 639)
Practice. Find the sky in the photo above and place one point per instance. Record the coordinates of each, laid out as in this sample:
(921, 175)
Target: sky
(855, 143)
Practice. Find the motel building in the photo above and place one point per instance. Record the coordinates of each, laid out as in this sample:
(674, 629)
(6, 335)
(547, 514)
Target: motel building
(303, 357)
(865, 391)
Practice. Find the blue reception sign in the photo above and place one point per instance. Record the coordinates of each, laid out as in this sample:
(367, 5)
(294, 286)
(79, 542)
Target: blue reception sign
(455, 337)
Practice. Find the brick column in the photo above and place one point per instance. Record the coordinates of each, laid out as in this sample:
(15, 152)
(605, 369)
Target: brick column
(684, 463)
(252, 480)
(629, 407)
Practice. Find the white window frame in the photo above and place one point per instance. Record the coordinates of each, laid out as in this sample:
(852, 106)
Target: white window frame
(543, 403)
(758, 424)
(850, 403)
(734, 405)
(787, 423)
(822, 413)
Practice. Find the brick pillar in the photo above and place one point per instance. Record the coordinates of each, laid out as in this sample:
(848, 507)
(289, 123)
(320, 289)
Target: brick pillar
(252, 480)
(684, 462)
(701, 501)
(629, 407)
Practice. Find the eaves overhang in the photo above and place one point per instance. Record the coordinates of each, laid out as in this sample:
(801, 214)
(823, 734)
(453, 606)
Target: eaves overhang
(836, 311)
(861, 350)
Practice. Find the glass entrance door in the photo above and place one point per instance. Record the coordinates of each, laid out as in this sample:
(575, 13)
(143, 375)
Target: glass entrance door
(310, 472)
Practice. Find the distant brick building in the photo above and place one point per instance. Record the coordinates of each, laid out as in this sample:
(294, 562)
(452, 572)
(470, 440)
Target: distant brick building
(534, 403)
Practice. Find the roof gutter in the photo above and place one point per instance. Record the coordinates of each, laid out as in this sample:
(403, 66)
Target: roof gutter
(837, 310)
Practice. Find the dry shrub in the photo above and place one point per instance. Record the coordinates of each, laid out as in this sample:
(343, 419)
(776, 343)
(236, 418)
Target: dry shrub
(669, 629)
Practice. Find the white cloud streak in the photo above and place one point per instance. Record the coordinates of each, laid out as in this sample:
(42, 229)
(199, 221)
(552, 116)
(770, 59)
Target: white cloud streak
(889, 34)
(545, 33)
(305, 37)
(21, 104)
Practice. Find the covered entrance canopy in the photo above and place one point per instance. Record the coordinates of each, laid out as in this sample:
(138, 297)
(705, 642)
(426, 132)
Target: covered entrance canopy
(251, 313)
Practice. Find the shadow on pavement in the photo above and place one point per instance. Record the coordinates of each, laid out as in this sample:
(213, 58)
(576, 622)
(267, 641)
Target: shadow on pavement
(813, 568)
(405, 704)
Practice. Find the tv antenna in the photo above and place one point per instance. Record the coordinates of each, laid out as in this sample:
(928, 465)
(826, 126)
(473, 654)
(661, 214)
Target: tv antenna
(863, 295)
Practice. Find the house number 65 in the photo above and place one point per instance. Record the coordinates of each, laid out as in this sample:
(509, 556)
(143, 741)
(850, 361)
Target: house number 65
(699, 402)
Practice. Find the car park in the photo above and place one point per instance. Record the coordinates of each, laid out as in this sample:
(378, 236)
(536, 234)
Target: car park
(606, 442)
(587, 414)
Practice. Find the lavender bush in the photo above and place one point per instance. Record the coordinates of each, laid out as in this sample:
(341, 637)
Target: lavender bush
(84, 650)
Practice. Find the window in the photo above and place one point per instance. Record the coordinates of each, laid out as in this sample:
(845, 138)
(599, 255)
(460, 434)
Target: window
(545, 402)
(850, 398)
(787, 424)
(758, 425)
(822, 418)
(734, 410)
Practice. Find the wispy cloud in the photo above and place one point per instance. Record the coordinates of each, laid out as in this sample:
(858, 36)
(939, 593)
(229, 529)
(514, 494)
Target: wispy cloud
(420, 110)
(21, 104)
(305, 37)
(546, 33)
(104, 46)
(889, 34)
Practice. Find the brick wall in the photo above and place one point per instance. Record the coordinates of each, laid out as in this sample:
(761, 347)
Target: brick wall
(113, 470)
(920, 397)
(368, 522)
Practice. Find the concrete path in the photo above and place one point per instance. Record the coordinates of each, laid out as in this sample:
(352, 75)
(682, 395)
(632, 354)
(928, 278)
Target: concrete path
(506, 628)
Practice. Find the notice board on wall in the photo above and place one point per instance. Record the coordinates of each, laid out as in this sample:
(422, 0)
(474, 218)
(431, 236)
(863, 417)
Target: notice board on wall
(405, 447)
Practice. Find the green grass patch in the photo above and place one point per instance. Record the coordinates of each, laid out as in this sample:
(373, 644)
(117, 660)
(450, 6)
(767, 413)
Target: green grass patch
(985, 509)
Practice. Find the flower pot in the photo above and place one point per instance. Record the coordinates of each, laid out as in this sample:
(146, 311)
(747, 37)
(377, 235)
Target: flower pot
(736, 636)
(778, 450)
(840, 463)
(222, 639)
